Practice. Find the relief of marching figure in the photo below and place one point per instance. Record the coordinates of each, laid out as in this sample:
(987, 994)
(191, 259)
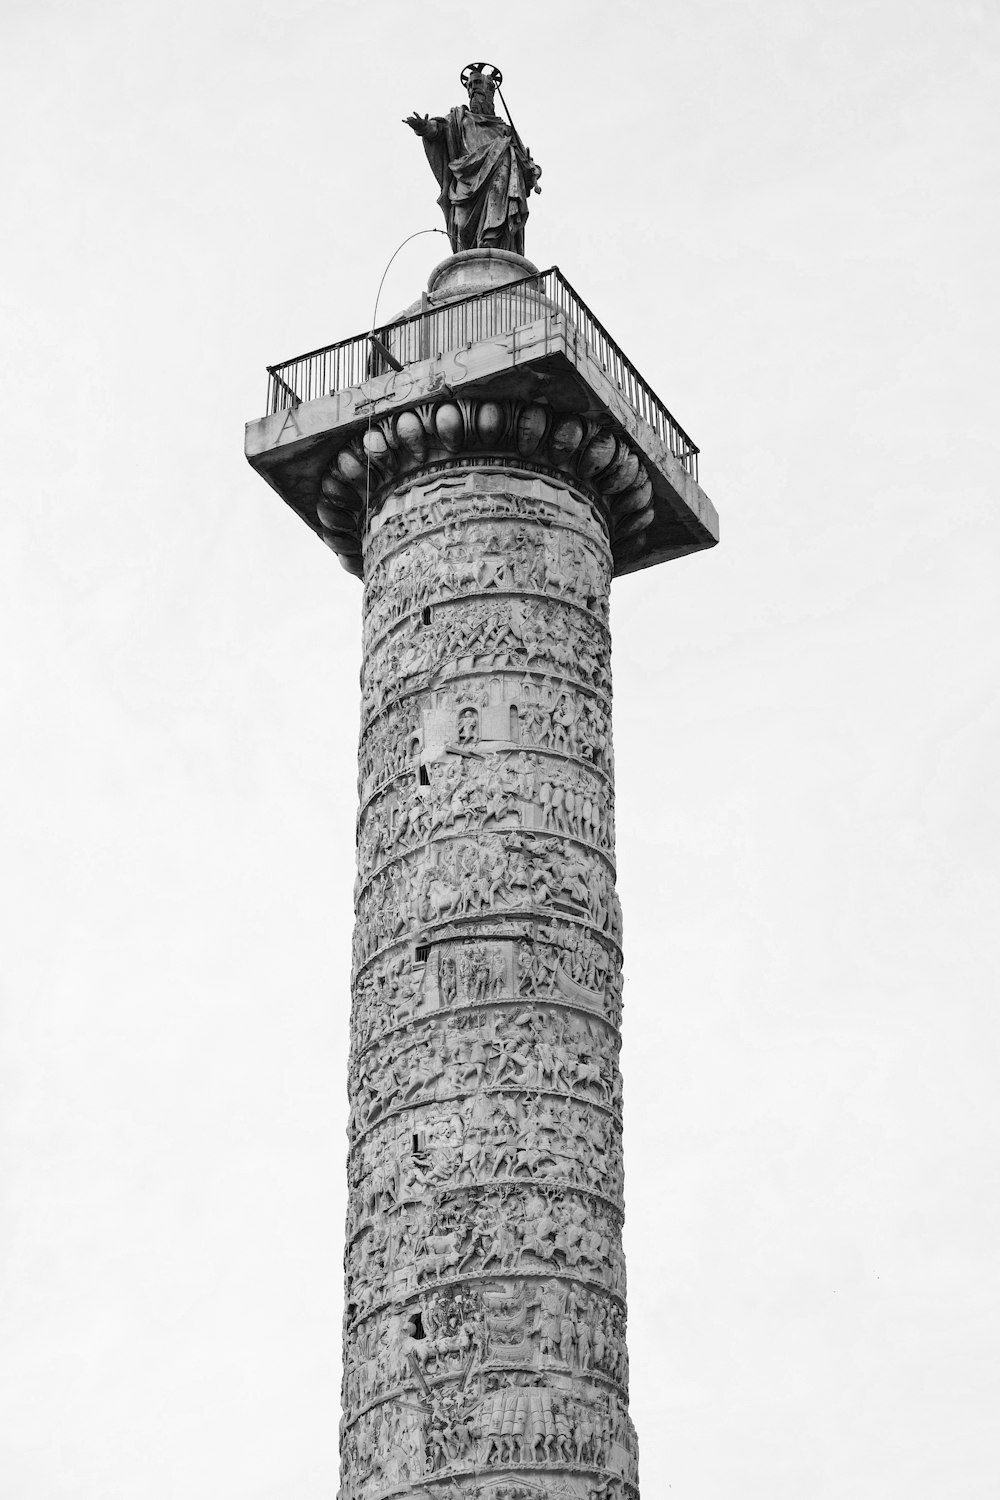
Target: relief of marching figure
(485, 1315)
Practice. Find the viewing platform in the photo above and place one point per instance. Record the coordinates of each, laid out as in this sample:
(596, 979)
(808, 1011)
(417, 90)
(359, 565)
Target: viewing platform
(518, 338)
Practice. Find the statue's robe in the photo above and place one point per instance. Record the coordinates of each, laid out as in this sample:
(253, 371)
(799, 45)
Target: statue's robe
(484, 176)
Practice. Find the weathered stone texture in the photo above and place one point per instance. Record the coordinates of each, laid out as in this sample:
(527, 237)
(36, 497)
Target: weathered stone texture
(485, 1314)
(486, 466)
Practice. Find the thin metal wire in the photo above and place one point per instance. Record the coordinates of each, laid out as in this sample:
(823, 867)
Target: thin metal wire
(371, 344)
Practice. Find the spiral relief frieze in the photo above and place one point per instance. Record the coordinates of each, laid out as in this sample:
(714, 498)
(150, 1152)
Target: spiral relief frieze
(485, 1312)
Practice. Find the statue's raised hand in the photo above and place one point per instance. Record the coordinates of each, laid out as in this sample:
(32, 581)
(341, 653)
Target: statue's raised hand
(420, 124)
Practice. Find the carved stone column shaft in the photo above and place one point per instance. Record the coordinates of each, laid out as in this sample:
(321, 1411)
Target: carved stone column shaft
(485, 464)
(484, 1347)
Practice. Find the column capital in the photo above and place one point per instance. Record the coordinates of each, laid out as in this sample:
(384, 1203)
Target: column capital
(530, 385)
(464, 431)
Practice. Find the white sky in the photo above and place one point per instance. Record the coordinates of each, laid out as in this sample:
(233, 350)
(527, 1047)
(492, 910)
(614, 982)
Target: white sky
(786, 214)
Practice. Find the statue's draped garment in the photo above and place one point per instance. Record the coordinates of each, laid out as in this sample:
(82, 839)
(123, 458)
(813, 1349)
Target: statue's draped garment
(485, 176)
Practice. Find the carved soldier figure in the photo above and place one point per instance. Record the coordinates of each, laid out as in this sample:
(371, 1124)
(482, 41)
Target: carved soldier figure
(483, 168)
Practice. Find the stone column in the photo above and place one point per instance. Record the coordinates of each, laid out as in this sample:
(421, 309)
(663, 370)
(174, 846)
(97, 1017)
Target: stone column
(497, 463)
(485, 1321)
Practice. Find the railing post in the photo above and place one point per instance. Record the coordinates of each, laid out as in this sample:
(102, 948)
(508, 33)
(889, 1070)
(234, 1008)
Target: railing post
(424, 330)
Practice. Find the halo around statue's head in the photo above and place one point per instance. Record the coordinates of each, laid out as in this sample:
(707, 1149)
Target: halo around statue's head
(489, 72)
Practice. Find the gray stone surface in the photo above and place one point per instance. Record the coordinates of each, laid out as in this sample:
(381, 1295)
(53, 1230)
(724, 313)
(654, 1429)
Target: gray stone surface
(486, 497)
(485, 1321)
(475, 271)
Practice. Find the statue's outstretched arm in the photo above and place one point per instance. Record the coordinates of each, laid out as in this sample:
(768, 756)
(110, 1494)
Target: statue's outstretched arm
(426, 126)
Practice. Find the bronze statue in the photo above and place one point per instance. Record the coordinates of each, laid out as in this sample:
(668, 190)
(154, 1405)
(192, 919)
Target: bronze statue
(484, 170)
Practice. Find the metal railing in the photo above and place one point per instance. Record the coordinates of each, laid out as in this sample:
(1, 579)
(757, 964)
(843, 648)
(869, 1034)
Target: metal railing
(439, 330)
